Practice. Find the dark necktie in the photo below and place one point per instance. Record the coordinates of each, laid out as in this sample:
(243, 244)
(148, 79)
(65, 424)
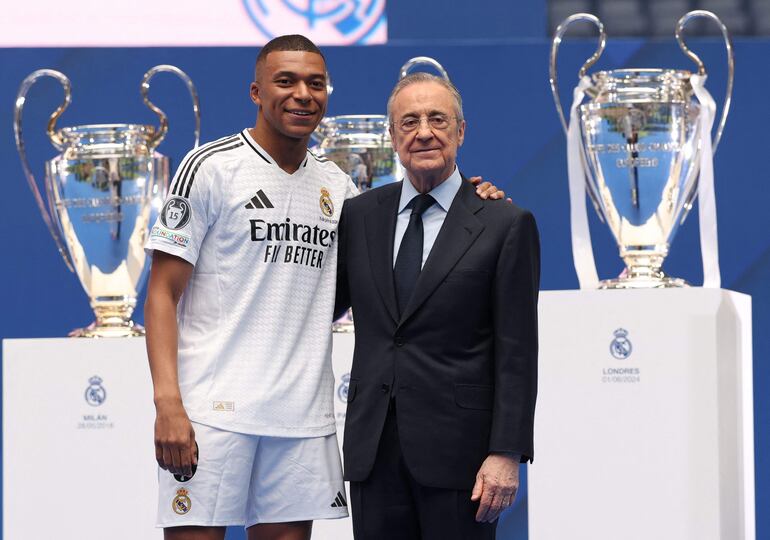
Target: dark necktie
(409, 260)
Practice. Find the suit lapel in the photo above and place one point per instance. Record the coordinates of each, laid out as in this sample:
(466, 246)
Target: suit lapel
(457, 234)
(380, 231)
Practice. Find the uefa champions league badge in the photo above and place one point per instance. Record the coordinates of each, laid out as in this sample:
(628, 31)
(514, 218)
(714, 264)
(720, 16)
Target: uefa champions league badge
(620, 347)
(95, 393)
(342, 389)
(326, 22)
(181, 503)
(175, 214)
(327, 206)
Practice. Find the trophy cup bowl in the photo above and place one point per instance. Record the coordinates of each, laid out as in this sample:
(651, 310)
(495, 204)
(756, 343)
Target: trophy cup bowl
(640, 137)
(360, 145)
(641, 145)
(103, 192)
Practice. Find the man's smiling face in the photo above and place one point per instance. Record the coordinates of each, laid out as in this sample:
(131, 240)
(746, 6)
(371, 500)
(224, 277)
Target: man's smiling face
(291, 92)
(427, 149)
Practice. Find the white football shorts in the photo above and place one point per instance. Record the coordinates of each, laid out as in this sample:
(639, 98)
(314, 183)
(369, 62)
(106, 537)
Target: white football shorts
(248, 479)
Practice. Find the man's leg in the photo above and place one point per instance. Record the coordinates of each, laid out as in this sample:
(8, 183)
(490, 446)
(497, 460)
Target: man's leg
(298, 530)
(447, 514)
(383, 506)
(294, 481)
(215, 496)
(194, 533)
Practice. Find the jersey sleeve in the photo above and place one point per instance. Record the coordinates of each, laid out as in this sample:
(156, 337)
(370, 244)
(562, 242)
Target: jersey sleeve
(187, 213)
(352, 189)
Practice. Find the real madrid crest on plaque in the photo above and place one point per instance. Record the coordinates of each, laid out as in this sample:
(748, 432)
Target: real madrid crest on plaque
(95, 393)
(620, 347)
(181, 503)
(342, 389)
(327, 206)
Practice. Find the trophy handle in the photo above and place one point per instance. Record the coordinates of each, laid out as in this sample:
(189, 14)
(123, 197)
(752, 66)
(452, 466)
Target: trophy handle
(701, 13)
(422, 60)
(329, 85)
(560, 31)
(160, 133)
(56, 139)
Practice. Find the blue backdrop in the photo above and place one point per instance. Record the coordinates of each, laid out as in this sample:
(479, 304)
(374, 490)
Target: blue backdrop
(513, 138)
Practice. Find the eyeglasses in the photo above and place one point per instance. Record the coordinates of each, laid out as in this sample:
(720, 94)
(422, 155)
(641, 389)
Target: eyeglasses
(409, 124)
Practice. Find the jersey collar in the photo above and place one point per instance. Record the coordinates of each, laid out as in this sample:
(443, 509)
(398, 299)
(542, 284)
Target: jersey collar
(261, 152)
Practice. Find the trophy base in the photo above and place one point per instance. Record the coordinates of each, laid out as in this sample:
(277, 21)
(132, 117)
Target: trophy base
(343, 328)
(344, 325)
(644, 282)
(94, 330)
(644, 270)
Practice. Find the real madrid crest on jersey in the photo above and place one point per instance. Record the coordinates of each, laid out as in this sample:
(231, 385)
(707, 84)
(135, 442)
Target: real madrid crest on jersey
(95, 393)
(181, 503)
(620, 347)
(327, 206)
(175, 213)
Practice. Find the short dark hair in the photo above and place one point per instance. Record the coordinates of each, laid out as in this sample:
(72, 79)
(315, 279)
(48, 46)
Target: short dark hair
(291, 42)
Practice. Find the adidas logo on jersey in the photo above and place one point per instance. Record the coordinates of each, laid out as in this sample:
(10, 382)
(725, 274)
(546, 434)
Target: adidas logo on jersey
(339, 501)
(259, 200)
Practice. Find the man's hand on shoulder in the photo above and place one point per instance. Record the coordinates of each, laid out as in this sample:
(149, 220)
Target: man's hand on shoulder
(496, 485)
(485, 190)
(174, 438)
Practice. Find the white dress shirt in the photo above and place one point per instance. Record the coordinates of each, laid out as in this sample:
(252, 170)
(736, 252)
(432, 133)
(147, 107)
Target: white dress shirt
(434, 216)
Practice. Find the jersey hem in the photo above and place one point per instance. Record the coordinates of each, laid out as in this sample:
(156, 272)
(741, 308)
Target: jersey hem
(177, 252)
(199, 523)
(268, 431)
(248, 523)
(298, 517)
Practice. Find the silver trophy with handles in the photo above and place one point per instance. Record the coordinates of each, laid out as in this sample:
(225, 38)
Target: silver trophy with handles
(639, 142)
(102, 193)
(360, 145)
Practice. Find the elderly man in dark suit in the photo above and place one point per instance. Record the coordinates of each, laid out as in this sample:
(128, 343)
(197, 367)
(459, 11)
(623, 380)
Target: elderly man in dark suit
(444, 290)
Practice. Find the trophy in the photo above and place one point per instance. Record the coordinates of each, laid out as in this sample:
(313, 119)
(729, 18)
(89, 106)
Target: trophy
(102, 193)
(641, 147)
(360, 145)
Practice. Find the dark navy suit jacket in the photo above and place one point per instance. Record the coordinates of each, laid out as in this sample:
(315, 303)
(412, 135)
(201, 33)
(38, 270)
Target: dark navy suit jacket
(461, 360)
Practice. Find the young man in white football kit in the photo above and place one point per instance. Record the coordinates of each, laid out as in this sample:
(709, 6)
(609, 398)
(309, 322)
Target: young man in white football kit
(238, 316)
(243, 380)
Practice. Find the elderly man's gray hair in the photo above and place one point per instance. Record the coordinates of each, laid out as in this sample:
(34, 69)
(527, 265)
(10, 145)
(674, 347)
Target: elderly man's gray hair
(422, 77)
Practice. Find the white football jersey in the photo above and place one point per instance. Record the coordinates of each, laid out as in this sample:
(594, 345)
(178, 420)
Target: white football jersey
(255, 319)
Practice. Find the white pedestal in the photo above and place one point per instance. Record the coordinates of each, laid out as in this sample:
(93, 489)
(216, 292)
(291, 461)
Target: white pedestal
(647, 434)
(342, 359)
(74, 469)
(77, 468)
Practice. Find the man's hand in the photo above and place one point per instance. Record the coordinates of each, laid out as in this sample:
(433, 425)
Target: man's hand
(174, 438)
(496, 485)
(486, 190)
